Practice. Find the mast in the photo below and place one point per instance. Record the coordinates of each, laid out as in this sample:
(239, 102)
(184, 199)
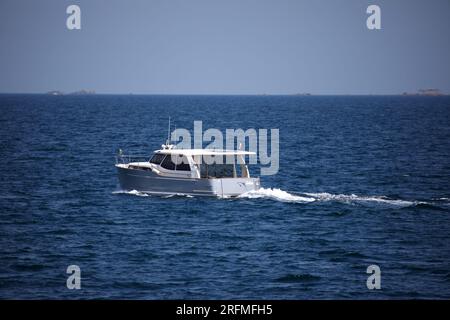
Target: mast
(168, 134)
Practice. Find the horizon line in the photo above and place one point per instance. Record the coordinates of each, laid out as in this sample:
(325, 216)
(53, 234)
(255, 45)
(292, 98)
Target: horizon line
(77, 93)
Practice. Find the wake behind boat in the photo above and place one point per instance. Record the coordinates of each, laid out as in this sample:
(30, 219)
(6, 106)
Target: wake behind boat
(200, 172)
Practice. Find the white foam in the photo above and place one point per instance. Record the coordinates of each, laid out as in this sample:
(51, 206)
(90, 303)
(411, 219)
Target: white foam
(178, 195)
(300, 197)
(355, 198)
(276, 194)
(143, 194)
(297, 197)
(132, 192)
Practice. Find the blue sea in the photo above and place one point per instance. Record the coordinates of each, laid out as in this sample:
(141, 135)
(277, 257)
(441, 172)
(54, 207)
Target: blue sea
(363, 180)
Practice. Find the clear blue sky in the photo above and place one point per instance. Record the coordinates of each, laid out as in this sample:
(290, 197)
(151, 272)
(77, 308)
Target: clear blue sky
(225, 46)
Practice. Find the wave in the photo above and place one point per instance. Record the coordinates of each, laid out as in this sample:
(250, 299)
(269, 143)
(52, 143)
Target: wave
(178, 195)
(298, 278)
(355, 198)
(143, 194)
(132, 192)
(276, 194)
(306, 197)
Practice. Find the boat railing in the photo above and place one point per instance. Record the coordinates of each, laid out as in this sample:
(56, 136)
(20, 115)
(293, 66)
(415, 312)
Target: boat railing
(125, 158)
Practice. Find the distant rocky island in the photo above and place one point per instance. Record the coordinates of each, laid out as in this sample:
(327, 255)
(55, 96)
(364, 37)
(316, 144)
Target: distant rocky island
(76, 93)
(425, 92)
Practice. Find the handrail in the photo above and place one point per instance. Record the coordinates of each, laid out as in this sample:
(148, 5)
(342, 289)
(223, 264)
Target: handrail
(124, 159)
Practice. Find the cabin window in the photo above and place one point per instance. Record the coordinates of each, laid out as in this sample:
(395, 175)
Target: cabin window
(139, 168)
(168, 163)
(157, 158)
(182, 164)
(217, 170)
(218, 167)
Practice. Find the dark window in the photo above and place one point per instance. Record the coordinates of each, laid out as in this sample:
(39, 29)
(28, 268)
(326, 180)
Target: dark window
(182, 164)
(139, 168)
(221, 167)
(168, 163)
(223, 170)
(203, 170)
(216, 170)
(157, 158)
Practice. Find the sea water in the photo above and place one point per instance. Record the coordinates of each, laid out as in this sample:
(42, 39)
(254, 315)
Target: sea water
(363, 180)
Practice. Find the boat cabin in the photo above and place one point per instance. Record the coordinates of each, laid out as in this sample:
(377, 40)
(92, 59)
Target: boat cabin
(197, 163)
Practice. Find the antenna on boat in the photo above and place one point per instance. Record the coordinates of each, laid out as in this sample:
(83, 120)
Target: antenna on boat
(168, 141)
(168, 134)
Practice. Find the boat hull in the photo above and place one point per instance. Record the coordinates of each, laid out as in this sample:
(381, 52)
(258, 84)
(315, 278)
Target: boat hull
(147, 181)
